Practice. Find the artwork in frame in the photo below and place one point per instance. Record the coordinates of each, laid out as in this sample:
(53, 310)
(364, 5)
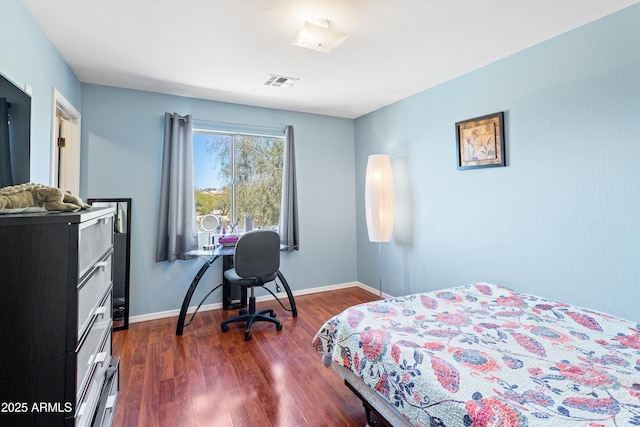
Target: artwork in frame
(480, 142)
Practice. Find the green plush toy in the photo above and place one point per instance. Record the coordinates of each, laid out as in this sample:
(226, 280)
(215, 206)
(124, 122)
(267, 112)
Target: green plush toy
(32, 197)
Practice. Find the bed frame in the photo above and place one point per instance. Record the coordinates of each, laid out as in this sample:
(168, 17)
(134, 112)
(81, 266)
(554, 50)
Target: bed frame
(385, 414)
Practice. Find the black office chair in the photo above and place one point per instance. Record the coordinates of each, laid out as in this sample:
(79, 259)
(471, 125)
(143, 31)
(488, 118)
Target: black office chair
(256, 262)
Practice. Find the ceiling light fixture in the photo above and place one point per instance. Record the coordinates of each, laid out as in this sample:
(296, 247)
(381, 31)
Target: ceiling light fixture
(316, 35)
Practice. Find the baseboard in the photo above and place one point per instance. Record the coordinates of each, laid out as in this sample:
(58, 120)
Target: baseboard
(281, 295)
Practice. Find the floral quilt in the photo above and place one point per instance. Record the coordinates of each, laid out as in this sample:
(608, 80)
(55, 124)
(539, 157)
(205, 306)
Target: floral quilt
(484, 355)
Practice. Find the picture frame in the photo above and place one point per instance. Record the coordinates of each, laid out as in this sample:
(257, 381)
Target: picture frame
(480, 142)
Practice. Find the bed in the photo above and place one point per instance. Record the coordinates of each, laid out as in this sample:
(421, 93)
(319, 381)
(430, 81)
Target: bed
(484, 355)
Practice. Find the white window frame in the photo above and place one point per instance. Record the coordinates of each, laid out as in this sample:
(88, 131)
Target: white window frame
(234, 135)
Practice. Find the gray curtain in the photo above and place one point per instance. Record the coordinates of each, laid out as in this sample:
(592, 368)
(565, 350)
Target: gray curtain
(288, 228)
(177, 231)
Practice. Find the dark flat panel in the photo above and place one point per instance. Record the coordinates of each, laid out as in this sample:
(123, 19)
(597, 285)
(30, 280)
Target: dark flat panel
(119, 264)
(18, 105)
(34, 275)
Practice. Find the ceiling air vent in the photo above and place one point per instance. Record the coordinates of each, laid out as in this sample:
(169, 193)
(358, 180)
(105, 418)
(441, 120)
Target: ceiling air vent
(280, 81)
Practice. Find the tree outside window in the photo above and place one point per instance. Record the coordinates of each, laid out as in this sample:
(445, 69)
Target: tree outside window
(238, 175)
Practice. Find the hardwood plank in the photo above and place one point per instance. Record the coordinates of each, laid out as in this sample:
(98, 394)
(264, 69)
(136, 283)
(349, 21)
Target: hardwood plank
(210, 378)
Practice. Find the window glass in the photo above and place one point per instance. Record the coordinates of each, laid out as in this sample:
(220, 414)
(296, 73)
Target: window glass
(238, 176)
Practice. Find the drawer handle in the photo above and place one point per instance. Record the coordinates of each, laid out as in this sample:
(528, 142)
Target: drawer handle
(81, 410)
(99, 358)
(111, 401)
(100, 311)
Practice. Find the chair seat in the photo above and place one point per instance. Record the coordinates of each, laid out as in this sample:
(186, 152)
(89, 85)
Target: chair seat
(233, 277)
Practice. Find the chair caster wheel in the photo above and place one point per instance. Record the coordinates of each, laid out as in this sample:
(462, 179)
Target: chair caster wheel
(278, 326)
(225, 328)
(247, 336)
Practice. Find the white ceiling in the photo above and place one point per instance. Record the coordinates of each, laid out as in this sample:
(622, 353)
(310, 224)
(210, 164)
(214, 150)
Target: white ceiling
(224, 50)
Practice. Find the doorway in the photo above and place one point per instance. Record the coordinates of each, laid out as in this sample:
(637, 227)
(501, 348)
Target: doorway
(65, 145)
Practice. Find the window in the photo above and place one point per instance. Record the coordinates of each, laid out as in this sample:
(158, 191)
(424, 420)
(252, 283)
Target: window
(237, 176)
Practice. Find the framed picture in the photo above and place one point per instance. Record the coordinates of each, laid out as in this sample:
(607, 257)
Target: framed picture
(480, 142)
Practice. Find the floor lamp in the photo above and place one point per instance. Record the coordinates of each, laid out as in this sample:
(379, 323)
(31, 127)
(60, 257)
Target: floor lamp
(379, 202)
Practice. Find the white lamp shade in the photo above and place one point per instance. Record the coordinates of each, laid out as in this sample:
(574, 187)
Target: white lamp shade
(379, 198)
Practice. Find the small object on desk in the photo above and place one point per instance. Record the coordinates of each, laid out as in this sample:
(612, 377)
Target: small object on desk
(248, 223)
(228, 240)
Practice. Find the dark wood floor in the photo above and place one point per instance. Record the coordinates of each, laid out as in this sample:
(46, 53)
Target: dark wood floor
(210, 378)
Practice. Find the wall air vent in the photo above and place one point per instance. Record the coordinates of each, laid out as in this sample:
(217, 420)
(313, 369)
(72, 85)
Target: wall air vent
(280, 81)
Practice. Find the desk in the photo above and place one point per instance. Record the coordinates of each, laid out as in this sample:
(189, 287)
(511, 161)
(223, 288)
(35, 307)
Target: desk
(209, 258)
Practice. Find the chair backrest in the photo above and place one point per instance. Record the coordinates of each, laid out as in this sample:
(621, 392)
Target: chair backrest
(257, 253)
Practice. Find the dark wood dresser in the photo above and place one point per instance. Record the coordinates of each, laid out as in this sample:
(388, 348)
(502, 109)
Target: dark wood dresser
(56, 366)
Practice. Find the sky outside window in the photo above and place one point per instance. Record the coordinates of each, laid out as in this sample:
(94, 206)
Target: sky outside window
(206, 168)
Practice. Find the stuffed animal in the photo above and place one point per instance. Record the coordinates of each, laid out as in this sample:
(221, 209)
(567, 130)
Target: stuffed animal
(40, 197)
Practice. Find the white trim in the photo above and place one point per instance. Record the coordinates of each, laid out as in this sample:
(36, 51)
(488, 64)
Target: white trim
(60, 105)
(373, 290)
(282, 295)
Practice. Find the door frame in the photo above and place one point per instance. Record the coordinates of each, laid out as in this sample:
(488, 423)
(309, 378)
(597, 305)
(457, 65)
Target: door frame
(60, 106)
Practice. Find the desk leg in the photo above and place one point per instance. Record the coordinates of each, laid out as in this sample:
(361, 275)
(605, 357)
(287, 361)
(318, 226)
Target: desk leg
(189, 294)
(292, 302)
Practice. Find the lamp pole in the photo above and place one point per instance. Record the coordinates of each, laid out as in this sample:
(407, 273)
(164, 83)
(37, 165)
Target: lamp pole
(380, 268)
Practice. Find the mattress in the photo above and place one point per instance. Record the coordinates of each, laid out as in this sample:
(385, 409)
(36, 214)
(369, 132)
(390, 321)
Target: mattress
(485, 355)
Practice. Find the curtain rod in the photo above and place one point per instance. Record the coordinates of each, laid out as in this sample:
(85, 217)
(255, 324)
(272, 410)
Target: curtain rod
(237, 124)
(231, 123)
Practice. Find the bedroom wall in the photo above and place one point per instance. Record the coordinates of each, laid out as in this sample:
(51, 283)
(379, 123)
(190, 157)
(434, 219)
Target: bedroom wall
(28, 57)
(561, 220)
(121, 156)
(122, 136)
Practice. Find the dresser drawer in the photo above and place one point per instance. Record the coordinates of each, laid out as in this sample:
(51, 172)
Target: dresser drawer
(90, 354)
(109, 396)
(96, 237)
(90, 293)
(89, 399)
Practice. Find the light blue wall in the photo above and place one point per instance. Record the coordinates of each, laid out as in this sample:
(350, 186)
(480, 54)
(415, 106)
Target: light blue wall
(28, 57)
(562, 220)
(121, 157)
